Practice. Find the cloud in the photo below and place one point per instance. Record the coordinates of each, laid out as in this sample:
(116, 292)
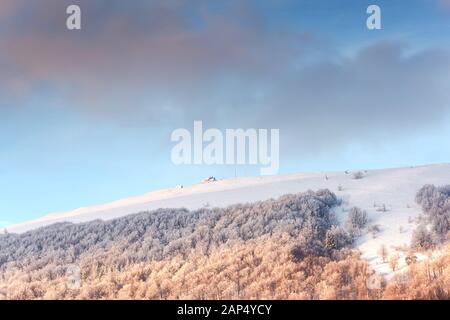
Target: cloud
(170, 63)
(381, 92)
(444, 3)
(157, 49)
(7, 8)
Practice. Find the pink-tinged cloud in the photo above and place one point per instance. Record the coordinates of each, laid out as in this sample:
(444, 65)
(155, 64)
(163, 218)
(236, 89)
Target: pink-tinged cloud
(231, 70)
(161, 55)
(444, 4)
(8, 9)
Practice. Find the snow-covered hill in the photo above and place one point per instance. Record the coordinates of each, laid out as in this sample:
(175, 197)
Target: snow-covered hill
(387, 195)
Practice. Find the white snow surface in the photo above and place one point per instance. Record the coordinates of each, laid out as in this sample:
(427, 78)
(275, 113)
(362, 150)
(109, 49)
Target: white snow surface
(393, 188)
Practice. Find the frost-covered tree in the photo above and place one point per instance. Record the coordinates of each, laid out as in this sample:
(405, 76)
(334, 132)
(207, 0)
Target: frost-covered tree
(435, 202)
(422, 238)
(357, 219)
(383, 252)
(394, 261)
(337, 238)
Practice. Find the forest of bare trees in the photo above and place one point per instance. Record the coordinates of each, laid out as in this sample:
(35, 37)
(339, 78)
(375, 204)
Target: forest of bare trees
(289, 248)
(34, 260)
(164, 233)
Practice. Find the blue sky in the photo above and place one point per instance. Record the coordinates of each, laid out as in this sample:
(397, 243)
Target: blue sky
(86, 116)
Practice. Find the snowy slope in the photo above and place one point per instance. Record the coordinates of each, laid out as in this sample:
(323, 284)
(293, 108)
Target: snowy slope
(393, 188)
